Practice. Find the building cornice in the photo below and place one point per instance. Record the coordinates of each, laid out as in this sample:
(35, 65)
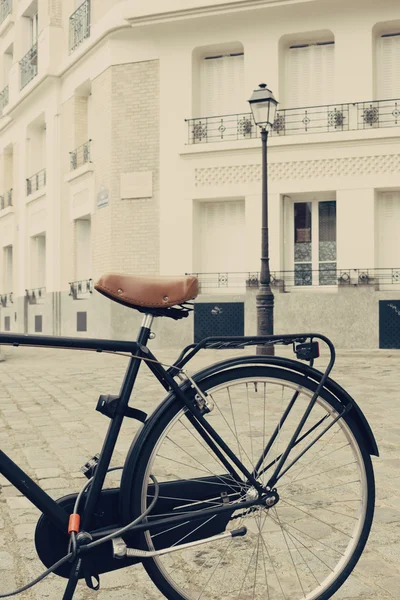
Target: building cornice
(130, 10)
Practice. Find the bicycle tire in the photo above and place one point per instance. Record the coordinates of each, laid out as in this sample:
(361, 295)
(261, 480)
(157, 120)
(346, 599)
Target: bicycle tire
(143, 461)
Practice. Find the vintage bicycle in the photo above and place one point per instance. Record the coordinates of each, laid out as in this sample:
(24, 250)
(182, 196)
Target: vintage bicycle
(252, 479)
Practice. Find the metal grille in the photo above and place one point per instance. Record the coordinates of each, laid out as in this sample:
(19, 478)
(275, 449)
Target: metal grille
(389, 324)
(35, 182)
(3, 98)
(29, 65)
(224, 318)
(377, 114)
(80, 156)
(329, 274)
(290, 121)
(79, 26)
(6, 200)
(5, 9)
(7, 324)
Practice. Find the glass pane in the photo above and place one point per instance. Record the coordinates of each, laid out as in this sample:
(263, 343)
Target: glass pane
(303, 274)
(327, 230)
(327, 274)
(302, 231)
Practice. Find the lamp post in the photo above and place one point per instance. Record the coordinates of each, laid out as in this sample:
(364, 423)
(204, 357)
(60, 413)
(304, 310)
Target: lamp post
(263, 106)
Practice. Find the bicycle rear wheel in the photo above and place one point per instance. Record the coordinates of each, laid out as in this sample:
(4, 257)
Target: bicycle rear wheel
(302, 548)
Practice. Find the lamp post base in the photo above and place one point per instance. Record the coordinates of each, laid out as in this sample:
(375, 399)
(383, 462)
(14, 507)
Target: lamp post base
(265, 317)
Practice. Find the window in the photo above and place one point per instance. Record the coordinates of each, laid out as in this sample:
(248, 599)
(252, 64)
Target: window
(387, 230)
(38, 264)
(222, 85)
(311, 243)
(7, 269)
(219, 236)
(34, 25)
(83, 258)
(388, 66)
(309, 75)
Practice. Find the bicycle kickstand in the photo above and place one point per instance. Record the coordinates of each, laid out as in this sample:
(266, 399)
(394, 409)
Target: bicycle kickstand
(73, 579)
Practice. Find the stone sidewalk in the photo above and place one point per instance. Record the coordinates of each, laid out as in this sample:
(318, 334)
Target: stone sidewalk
(48, 425)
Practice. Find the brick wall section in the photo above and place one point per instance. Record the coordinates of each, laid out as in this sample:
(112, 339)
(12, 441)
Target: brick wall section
(55, 12)
(135, 147)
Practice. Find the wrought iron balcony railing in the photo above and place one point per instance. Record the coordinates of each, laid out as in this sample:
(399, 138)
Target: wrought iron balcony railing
(79, 25)
(295, 121)
(29, 65)
(3, 98)
(6, 299)
(378, 113)
(78, 288)
(5, 9)
(36, 182)
(35, 294)
(6, 200)
(328, 276)
(80, 156)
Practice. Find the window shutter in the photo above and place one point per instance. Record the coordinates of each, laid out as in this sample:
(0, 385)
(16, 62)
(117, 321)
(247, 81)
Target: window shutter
(388, 230)
(388, 67)
(222, 85)
(222, 237)
(309, 75)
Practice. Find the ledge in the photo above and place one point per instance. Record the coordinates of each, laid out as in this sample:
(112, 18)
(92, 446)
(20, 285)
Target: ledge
(6, 24)
(36, 195)
(6, 211)
(86, 168)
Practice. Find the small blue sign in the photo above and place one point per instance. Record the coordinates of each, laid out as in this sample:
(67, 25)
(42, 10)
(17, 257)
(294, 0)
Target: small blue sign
(102, 197)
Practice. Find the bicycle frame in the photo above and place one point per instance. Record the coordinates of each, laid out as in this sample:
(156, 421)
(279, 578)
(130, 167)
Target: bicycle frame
(140, 352)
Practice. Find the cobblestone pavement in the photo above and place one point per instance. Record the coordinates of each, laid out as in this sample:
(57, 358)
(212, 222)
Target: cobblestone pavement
(48, 425)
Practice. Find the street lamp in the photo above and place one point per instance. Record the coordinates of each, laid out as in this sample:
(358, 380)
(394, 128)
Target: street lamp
(263, 106)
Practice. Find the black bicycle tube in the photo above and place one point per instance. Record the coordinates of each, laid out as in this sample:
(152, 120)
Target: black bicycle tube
(153, 366)
(113, 432)
(15, 339)
(18, 478)
(195, 516)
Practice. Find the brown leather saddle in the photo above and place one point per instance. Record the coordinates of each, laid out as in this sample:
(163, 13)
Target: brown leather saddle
(159, 296)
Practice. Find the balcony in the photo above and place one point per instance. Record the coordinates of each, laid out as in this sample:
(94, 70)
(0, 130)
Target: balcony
(36, 182)
(294, 121)
(80, 288)
(5, 9)
(80, 156)
(29, 65)
(6, 200)
(79, 26)
(6, 299)
(3, 99)
(210, 283)
(35, 295)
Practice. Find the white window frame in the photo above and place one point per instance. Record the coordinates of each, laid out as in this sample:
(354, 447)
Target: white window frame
(288, 237)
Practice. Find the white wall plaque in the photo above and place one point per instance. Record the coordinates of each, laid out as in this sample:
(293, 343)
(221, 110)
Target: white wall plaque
(137, 184)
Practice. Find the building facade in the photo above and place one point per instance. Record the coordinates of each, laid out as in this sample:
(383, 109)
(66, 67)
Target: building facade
(127, 144)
